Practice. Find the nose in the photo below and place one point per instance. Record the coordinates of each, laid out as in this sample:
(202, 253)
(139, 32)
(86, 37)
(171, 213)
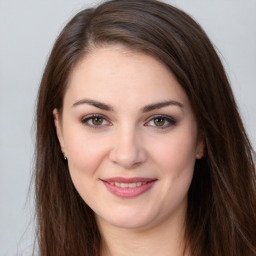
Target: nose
(127, 150)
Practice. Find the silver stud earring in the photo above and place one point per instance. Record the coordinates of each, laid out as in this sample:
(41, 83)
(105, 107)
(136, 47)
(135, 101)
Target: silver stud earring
(64, 156)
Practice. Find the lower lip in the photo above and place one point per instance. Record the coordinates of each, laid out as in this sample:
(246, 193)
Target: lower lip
(129, 192)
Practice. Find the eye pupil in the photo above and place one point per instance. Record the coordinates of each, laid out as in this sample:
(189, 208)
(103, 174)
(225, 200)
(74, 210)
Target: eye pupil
(159, 121)
(97, 120)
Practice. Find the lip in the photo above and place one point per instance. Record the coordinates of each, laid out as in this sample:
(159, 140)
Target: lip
(129, 192)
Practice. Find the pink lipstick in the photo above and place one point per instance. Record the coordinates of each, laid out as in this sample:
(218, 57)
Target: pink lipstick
(128, 188)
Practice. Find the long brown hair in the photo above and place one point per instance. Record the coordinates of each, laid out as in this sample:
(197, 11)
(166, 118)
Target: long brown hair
(221, 215)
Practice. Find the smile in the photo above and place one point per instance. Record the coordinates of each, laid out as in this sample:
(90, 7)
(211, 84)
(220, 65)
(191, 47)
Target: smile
(128, 188)
(128, 185)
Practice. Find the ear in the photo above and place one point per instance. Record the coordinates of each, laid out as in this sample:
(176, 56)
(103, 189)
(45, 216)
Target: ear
(58, 126)
(200, 148)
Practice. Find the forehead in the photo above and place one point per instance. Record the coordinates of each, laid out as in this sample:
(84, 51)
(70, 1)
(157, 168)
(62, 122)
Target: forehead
(116, 72)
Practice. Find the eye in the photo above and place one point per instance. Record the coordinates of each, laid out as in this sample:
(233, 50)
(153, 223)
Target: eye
(95, 121)
(161, 122)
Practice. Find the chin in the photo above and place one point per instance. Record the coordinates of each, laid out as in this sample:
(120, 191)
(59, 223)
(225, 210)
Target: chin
(127, 220)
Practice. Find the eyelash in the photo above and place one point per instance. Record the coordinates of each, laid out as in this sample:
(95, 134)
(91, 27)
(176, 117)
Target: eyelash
(168, 121)
(87, 119)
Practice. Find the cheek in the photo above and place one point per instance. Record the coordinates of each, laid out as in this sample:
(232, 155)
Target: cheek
(175, 160)
(84, 151)
(176, 152)
(85, 154)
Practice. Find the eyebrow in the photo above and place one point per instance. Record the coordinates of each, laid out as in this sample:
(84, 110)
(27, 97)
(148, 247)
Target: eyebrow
(147, 108)
(161, 105)
(94, 103)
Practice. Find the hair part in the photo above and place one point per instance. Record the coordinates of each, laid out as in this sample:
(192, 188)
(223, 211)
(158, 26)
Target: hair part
(221, 217)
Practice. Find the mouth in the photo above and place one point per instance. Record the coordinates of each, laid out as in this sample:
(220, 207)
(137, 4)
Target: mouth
(128, 188)
(127, 185)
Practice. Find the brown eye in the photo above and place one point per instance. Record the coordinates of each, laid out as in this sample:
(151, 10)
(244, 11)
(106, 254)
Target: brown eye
(97, 121)
(159, 121)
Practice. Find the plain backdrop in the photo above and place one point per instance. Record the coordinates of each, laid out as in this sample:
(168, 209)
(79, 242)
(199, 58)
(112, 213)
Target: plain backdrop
(28, 29)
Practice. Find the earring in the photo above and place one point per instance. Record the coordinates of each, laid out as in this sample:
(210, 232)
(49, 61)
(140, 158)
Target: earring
(64, 156)
(200, 155)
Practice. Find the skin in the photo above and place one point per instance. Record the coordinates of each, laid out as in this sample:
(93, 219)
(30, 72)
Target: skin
(130, 141)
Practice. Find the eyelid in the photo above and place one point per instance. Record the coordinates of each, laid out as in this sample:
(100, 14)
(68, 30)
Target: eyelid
(172, 121)
(86, 118)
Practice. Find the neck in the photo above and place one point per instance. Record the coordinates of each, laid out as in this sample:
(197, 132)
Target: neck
(165, 239)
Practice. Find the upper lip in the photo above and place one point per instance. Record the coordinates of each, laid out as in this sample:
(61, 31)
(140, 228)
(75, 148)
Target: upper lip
(129, 180)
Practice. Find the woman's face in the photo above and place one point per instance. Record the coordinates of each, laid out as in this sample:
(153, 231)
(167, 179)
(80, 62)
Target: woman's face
(130, 137)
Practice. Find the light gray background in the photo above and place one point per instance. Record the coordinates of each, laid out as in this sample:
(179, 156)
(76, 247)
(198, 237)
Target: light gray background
(28, 29)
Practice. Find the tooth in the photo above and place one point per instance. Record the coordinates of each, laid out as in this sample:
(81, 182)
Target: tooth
(132, 185)
(124, 185)
(127, 185)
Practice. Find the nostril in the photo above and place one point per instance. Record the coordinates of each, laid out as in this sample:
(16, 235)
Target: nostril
(127, 157)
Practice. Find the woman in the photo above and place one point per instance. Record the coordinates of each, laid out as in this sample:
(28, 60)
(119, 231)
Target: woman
(140, 147)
